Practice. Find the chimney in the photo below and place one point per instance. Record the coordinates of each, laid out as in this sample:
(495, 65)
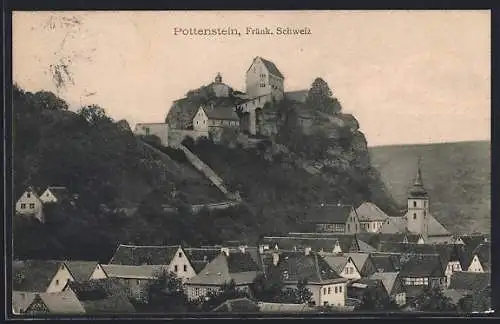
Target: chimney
(307, 250)
(225, 250)
(276, 258)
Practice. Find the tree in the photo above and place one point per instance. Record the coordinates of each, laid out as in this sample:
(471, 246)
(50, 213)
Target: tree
(166, 293)
(304, 295)
(375, 300)
(227, 291)
(320, 97)
(49, 101)
(93, 114)
(433, 300)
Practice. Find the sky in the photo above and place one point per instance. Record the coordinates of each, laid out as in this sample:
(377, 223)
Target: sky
(408, 76)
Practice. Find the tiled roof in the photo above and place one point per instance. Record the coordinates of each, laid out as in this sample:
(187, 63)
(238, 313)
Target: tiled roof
(239, 267)
(330, 214)
(33, 275)
(385, 262)
(359, 259)
(238, 305)
(295, 266)
(470, 281)
(132, 272)
(81, 270)
(64, 302)
(140, 255)
(348, 243)
(103, 296)
(336, 262)
(61, 193)
(422, 266)
(388, 279)
(221, 113)
(472, 241)
(271, 67)
(202, 254)
(368, 211)
(365, 247)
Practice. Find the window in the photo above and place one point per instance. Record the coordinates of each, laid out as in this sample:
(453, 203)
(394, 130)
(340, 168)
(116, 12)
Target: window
(329, 290)
(414, 204)
(180, 254)
(204, 122)
(348, 227)
(57, 282)
(23, 206)
(28, 195)
(324, 291)
(336, 289)
(414, 216)
(185, 268)
(425, 213)
(340, 289)
(32, 206)
(175, 268)
(196, 122)
(137, 282)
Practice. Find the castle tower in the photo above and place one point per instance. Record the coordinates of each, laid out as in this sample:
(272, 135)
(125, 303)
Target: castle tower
(418, 206)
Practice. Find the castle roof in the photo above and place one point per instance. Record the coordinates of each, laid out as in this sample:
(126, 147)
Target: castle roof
(270, 66)
(221, 113)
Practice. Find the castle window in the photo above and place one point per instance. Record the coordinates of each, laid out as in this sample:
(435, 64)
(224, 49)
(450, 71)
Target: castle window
(414, 216)
(28, 195)
(414, 204)
(185, 268)
(23, 206)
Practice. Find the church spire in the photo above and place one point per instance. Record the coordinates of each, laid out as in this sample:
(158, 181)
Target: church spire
(417, 189)
(218, 78)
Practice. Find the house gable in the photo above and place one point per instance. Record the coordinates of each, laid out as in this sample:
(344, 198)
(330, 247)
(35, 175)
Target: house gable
(475, 265)
(181, 265)
(98, 273)
(60, 279)
(350, 271)
(200, 119)
(47, 196)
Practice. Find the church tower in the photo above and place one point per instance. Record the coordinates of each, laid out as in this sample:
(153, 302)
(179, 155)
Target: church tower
(418, 206)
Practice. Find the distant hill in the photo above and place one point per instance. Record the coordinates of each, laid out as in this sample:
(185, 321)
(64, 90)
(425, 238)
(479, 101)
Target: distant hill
(457, 176)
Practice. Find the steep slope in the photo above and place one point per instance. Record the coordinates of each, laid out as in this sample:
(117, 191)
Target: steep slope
(457, 176)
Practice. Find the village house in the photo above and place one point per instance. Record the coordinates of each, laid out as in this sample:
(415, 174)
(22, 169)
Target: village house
(393, 285)
(226, 267)
(214, 119)
(328, 288)
(30, 204)
(135, 278)
(363, 263)
(21, 300)
(200, 257)
(343, 265)
(335, 243)
(102, 296)
(479, 259)
(422, 271)
(172, 258)
(55, 194)
(334, 219)
(56, 303)
(371, 217)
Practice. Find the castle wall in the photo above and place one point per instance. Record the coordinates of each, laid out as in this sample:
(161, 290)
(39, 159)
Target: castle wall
(176, 136)
(161, 130)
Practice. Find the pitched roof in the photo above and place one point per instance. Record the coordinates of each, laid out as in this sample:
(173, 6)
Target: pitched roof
(435, 228)
(132, 272)
(61, 193)
(33, 275)
(365, 247)
(221, 113)
(359, 259)
(388, 279)
(21, 300)
(330, 214)
(483, 252)
(385, 262)
(271, 67)
(422, 266)
(470, 281)
(64, 302)
(139, 255)
(347, 243)
(103, 296)
(295, 266)
(81, 270)
(394, 225)
(238, 305)
(336, 262)
(368, 211)
(239, 267)
(472, 241)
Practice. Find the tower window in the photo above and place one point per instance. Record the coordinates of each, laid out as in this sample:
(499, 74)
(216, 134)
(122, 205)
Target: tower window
(425, 213)
(414, 216)
(414, 204)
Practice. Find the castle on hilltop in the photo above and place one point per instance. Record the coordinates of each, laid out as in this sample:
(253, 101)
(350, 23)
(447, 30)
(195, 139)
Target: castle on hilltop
(198, 116)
